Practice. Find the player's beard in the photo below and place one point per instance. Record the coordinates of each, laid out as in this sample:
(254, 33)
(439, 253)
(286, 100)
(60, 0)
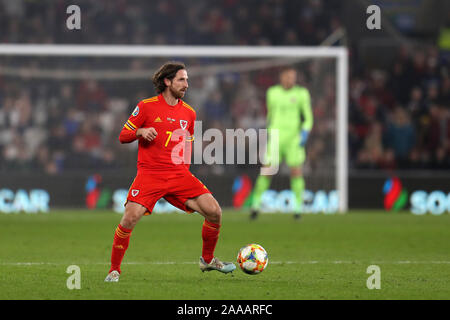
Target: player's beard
(177, 94)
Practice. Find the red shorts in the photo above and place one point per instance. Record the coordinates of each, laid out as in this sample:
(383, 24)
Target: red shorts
(176, 188)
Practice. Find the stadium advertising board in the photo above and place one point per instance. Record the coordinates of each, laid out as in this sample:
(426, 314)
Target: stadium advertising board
(417, 194)
(272, 201)
(38, 193)
(28, 201)
(280, 199)
(435, 202)
(100, 194)
(320, 201)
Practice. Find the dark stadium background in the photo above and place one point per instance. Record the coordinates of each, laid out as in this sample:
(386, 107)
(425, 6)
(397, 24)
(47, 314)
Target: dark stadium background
(399, 99)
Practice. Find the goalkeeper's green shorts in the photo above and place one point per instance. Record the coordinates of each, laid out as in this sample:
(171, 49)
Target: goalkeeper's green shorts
(288, 150)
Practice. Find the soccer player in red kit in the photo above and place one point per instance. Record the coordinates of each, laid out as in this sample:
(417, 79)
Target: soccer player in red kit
(164, 126)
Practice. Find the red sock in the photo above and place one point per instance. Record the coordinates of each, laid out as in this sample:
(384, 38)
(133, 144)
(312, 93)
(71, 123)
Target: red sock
(120, 245)
(210, 235)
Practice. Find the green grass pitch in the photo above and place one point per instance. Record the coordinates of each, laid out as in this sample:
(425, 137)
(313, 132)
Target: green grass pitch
(318, 257)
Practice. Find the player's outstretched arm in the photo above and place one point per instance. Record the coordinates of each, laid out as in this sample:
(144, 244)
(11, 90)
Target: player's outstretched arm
(127, 135)
(148, 134)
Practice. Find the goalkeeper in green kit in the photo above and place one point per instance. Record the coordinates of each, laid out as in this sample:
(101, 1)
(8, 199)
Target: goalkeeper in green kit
(289, 114)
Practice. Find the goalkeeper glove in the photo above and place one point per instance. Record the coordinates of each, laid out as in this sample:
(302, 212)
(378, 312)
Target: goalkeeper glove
(303, 137)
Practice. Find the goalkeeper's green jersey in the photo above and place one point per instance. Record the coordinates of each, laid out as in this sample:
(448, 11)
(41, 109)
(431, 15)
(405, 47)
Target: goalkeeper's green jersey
(289, 110)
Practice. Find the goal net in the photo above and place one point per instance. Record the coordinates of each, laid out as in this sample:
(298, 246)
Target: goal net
(62, 107)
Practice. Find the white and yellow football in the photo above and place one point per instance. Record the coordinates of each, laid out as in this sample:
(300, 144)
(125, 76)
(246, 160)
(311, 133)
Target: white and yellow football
(252, 259)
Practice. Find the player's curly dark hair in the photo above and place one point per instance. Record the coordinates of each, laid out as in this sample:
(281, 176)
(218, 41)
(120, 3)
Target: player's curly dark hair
(166, 71)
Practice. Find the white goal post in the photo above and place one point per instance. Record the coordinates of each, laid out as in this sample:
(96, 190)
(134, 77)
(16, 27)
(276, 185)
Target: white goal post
(339, 53)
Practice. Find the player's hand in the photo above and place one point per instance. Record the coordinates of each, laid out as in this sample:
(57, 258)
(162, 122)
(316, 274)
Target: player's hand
(148, 134)
(303, 137)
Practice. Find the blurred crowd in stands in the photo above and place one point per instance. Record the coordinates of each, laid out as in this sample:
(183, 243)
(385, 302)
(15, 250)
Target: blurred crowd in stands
(399, 117)
(171, 22)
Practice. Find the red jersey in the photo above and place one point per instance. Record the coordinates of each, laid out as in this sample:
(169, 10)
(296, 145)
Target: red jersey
(170, 150)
